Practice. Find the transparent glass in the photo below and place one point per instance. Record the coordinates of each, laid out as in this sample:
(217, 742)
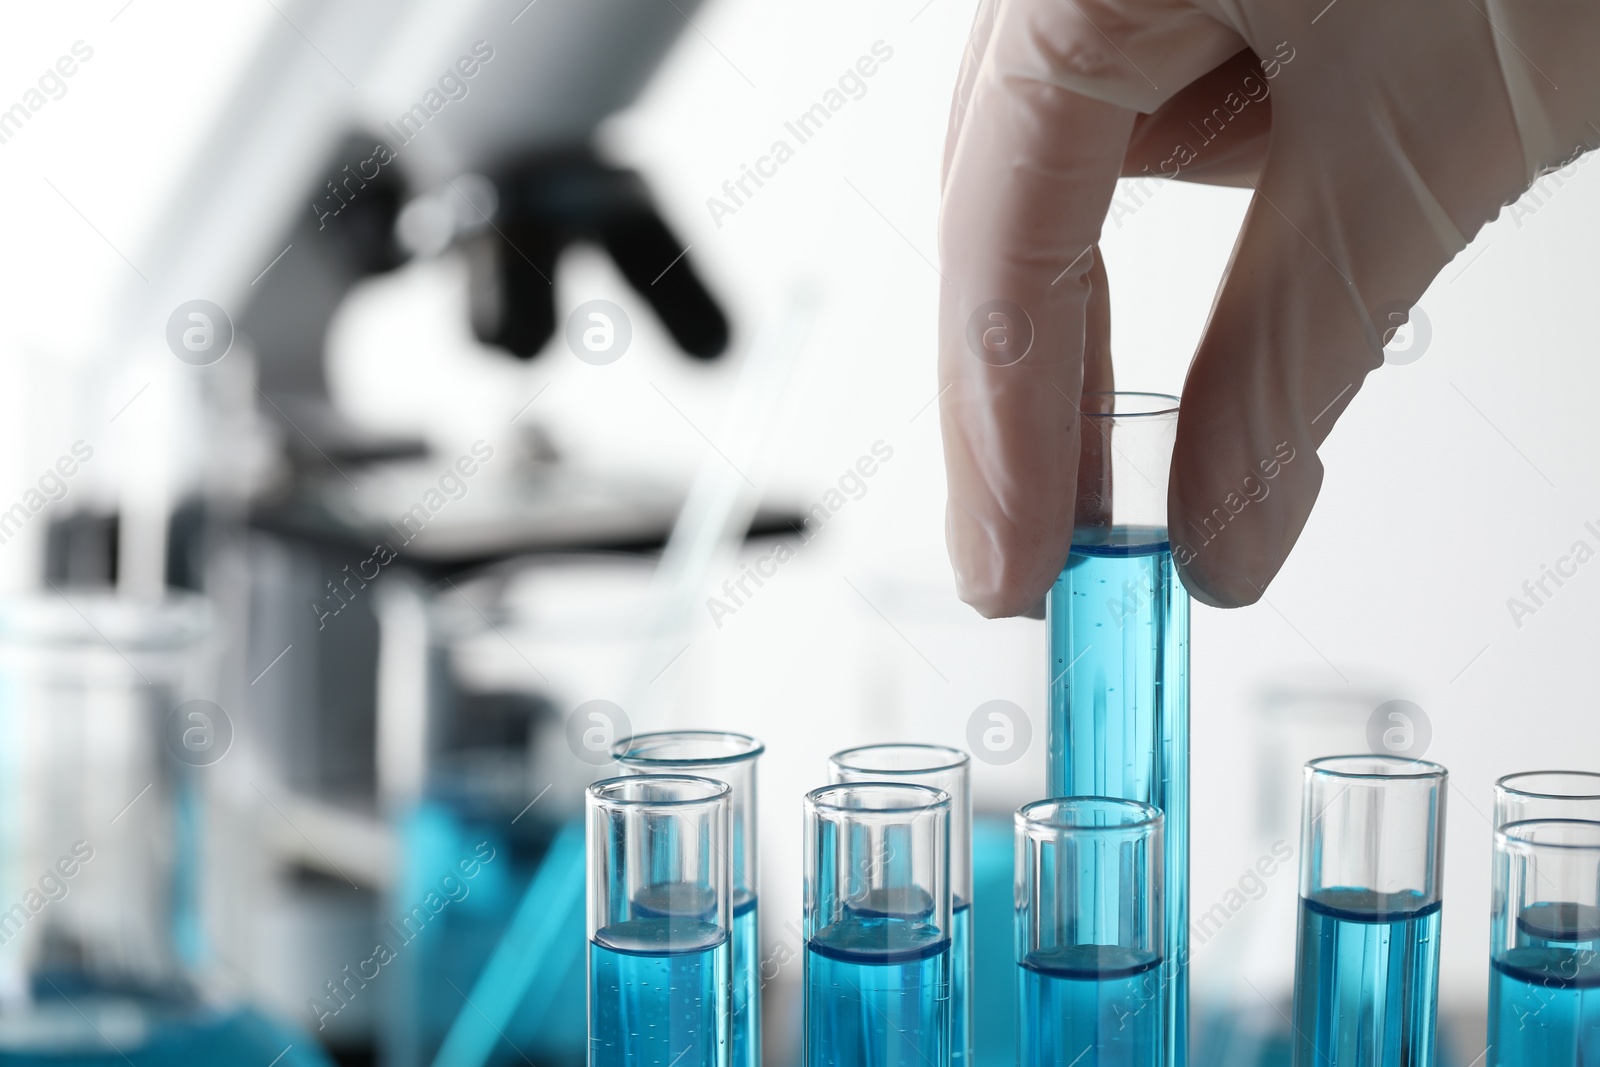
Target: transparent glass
(877, 926)
(660, 917)
(1372, 857)
(1089, 933)
(1530, 795)
(730, 758)
(1544, 977)
(949, 769)
(105, 736)
(1119, 651)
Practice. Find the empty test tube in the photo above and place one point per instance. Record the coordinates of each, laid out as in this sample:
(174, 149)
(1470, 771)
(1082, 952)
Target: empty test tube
(660, 922)
(730, 758)
(877, 926)
(1089, 936)
(1371, 861)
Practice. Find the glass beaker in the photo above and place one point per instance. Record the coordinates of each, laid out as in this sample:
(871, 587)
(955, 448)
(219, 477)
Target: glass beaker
(1544, 956)
(1371, 868)
(660, 922)
(102, 740)
(1088, 933)
(1119, 649)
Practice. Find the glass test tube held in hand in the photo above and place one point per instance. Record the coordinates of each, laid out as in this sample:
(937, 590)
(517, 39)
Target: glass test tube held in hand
(1544, 980)
(730, 758)
(877, 926)
(1372, 858)
(1119, 648)
(949, 769)
(1089, 935)
(660, 922)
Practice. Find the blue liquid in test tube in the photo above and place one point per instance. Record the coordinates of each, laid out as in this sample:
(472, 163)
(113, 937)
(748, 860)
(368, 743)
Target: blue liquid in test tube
(877, 925)
(1119, 653)
(1544, 979)
(1367, 970)
(730, 758)
(949, 769)
(660, 922)
(1089, 934)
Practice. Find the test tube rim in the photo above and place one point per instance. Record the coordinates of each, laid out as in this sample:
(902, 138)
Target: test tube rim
(815, 799)
(597, 791)
(1169, 410)
(962, 760)
(1151, 817)
(1502, 784)
(622, 751)
(1324, 765)
(1512, 837)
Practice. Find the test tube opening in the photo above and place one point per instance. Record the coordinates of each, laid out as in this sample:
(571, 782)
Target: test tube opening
(1529, 795)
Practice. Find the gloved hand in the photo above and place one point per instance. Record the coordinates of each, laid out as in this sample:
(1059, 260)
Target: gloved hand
(1378, 135)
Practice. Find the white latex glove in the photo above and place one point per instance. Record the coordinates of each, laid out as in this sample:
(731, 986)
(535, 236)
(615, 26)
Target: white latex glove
(1379, 136)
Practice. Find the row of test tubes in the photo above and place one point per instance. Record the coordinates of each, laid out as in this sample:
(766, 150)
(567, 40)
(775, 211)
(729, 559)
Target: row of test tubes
(888, 920)
(1367, 970)
(672, 916)
(673, 927)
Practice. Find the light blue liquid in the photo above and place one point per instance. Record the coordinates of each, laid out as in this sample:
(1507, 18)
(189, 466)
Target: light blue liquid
(421, 991)
(878, 994)
(1097, 1005)
(1544, 995)
(960, 982)
(1367, 978)
(1119, 710)
(660, 993)
(746, 981)
(133, 1031)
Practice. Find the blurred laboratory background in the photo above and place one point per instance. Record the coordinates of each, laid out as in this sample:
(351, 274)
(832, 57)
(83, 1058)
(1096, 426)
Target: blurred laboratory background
(403, 399)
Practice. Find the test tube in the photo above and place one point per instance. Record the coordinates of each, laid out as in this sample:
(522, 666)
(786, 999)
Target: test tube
(949, 769)
(1530, 795)
(730, 758)
(1544, 962)
(1089, 937)
(1371, 864)
(1119, 649)
(660, 922)
(877, 926)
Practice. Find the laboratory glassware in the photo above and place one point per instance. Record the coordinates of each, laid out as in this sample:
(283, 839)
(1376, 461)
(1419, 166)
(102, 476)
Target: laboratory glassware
(660, 918)
(1119, 649)
(1529, 795)
(730, 758)
(105, 739)
(949, 769)
(1371, 865)
(1089, 934)
(1544, 957)
(877, 926)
